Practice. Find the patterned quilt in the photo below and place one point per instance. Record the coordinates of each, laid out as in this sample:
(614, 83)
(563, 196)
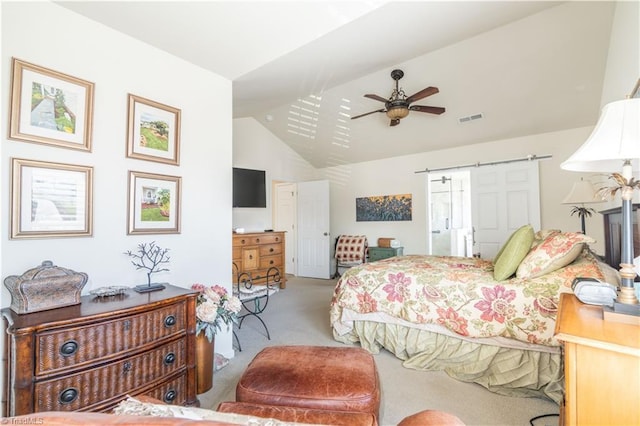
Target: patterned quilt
(460, 294)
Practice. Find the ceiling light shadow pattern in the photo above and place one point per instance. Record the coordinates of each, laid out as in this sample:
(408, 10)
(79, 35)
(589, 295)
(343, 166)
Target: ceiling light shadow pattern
(342, 131)
(302, 119)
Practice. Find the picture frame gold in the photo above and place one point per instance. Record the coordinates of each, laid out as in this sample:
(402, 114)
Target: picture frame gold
(153, 203)
(50, 200)
(50, 107)
(153, 131)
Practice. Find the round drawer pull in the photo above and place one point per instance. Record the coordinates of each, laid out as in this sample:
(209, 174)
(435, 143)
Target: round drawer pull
(126, 367)
(170, 321)
(242, 241)
(271, 250)
(69, 348)
(169, 358)
(170, 396)
(68, 395)
(271, 262)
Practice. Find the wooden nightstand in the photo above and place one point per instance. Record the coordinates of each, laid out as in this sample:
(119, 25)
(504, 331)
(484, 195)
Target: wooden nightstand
(601, 366)
(378, 253)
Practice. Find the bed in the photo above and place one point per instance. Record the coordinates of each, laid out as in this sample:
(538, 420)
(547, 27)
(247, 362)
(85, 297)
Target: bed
(452, 314)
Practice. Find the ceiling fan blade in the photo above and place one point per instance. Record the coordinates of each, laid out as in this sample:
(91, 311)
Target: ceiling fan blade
(367, 113)
(394, 122)
(423, 94)
(376, 97)
(429, 109)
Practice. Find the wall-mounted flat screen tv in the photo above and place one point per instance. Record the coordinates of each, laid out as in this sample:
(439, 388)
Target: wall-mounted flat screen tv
(249, 188)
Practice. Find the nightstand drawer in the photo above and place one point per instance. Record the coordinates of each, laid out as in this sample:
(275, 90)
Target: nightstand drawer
(379, 253)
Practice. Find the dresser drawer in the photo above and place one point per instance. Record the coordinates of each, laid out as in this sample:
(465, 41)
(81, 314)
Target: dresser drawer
(379, 253)
(172, 392)
(267, 262)
(270, 249)
(251, 240)
(93, 386)
(75, 347)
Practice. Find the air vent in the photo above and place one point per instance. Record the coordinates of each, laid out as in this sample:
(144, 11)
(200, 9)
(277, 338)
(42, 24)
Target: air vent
(470, 118)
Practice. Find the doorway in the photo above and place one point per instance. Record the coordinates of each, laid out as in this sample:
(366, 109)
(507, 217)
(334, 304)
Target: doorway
(449, 207)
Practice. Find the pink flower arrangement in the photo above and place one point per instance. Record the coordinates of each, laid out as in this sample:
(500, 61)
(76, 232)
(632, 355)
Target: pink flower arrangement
(213, 308)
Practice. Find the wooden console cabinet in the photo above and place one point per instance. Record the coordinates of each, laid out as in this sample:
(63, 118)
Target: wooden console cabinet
(256, 252)
(90, 356)
(601, 366)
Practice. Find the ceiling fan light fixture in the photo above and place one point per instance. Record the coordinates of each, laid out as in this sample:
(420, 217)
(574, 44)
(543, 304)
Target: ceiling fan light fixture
(397, 112)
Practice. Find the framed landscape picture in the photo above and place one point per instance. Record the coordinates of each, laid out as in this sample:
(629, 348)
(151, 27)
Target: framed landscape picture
(50, 107)
(153, 131)
(154, 204)
(388, 208)
(50, 199)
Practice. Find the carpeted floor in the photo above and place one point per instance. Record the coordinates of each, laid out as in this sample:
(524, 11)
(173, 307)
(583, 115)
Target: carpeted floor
(299, 314)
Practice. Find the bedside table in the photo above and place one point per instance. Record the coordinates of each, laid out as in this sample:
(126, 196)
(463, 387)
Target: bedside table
(379, 253)
(601, 366)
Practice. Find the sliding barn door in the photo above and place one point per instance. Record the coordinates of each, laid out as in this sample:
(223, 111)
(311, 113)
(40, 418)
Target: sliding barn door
(503, 197)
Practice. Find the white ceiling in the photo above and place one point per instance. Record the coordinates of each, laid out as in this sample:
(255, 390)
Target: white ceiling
(301, 68)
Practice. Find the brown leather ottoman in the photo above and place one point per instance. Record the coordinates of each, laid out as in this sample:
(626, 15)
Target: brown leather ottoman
(315, 377)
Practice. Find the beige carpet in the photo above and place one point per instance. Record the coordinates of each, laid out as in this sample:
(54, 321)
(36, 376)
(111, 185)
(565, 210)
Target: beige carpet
(299, 314)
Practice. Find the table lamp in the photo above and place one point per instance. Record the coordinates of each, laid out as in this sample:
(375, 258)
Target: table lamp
(582, 193)
(614, 145)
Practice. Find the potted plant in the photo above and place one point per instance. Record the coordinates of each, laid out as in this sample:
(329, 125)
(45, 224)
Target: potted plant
(215, 308)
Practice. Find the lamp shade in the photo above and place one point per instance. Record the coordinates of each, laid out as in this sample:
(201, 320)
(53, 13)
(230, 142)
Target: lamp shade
(582, 192)
(615, 138)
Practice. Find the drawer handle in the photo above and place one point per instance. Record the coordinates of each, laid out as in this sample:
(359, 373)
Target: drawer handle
(242, 241)
(271, 262)
(170, 321)
(170, 396)
(68, 395)
(271, 250)
(169, 358)
(126, 367)
(277, 239)
(127, 325)
(69, 348)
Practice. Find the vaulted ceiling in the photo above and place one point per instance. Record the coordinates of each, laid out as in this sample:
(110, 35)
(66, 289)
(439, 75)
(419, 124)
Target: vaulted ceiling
(302, 68)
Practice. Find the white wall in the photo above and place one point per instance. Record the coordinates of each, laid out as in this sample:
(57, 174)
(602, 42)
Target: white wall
(397, 176)
(53, 37)
(254, 147)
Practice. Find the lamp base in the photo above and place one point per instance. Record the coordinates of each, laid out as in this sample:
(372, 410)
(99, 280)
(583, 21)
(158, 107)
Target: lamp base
(622, 312)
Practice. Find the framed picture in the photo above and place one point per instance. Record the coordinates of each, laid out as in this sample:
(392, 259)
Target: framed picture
(153, 131)
(50, 199)
(50, 107)
(387, 208)
(154, 204)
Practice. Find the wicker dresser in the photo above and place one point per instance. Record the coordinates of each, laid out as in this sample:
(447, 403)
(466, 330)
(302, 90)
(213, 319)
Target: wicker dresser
(90, 356)
(256, 252)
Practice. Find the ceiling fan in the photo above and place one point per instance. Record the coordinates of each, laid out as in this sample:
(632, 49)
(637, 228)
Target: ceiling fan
(399, 105)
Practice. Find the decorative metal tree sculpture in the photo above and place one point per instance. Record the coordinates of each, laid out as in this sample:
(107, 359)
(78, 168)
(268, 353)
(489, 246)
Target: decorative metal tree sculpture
(150, 257)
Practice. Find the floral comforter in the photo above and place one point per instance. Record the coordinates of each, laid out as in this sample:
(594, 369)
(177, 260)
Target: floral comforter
(460, 294)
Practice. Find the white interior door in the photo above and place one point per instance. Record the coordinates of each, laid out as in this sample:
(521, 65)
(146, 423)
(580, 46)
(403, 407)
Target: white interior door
(285, 217)
(314, 254)
(504, 197)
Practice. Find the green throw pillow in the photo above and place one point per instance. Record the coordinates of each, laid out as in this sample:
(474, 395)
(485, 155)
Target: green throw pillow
(512, 252)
